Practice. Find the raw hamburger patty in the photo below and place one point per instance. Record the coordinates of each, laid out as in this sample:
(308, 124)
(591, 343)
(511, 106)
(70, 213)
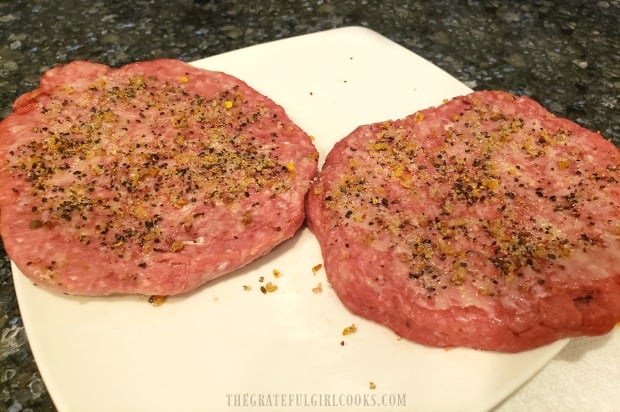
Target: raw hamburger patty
(486, 222)
(149, 179)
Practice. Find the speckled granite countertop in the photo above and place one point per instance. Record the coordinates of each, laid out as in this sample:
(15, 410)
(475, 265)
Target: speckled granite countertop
(564, 54)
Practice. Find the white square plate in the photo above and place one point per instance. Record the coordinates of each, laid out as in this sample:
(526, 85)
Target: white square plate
(226, 348)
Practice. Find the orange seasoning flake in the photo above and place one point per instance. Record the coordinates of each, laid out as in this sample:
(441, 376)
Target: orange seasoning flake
(316, 268)
(268, 288)
(349, 330)
(157, 300)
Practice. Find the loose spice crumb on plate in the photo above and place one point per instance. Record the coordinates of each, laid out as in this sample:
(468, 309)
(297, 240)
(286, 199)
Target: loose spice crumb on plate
(349, 330)
(268, 288)
(316, 268)
(318, 289)
(157, 300)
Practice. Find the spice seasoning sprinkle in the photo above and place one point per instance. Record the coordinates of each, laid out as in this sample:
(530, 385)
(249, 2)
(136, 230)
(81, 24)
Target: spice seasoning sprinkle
(157, 300)
(268, 288)
(349, 330)
(114, 191)
(318, 289)
(468, 166)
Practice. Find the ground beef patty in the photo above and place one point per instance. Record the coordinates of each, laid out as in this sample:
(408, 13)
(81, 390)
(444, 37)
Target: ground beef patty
(486, 222)
(149, 179)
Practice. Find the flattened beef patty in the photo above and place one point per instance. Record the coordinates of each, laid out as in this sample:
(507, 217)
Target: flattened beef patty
(486, 222)
(149, 179)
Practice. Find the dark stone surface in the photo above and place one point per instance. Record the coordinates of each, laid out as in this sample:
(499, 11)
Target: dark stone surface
(564, 54)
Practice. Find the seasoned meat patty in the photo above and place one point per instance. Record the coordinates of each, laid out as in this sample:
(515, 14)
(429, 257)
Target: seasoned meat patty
(486, 222)
(148, 179)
